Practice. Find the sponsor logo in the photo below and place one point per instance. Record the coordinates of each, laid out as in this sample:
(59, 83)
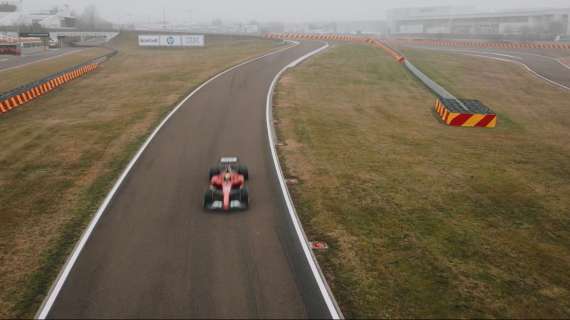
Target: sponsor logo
(149, 40)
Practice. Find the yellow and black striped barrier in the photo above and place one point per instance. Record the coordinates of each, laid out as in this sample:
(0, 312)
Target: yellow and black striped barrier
(470, 113)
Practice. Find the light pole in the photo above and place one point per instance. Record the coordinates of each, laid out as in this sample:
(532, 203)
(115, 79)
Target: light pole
(19, 20)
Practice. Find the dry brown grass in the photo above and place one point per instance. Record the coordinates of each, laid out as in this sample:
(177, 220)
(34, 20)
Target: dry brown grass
(13, 78)
(426, 220)
(61, 153)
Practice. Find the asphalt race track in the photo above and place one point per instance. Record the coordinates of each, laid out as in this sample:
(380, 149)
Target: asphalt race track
(8, 62)
(545, 65)
(157, 254)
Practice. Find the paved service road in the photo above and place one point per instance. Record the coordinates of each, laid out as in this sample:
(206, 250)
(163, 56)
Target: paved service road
(157, 254)
(8, 62)
(542, 64)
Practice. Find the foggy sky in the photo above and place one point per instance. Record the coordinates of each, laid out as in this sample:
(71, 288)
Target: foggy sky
(125, 11)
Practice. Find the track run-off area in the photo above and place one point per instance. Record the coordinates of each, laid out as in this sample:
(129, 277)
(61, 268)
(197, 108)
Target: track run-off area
(548, 68)
(153, 252)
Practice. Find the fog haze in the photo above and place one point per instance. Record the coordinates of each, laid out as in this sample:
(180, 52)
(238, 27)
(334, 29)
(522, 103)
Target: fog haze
(125, 11)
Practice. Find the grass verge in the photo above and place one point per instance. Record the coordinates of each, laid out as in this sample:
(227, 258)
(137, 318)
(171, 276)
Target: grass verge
(11, 79)
(426, 220)
(62, 153)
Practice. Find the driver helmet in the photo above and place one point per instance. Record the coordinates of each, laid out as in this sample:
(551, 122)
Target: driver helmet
(227, 176)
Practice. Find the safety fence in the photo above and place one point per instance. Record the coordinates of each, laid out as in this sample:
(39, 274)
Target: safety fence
(322, 37)
(453, 111)
(36, 89)
(333, 37)
(484, 44)
(379, 44)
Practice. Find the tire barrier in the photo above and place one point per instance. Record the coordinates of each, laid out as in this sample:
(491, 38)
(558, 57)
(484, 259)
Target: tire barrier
(379, 44)
(453, 111)
(482, 44)
(334, 37)
(322, 37)
(454, 114)
(36, 89)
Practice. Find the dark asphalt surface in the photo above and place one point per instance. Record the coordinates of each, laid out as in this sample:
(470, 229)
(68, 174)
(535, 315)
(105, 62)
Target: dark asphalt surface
(541, 63)
(157, 254)
(10, 62)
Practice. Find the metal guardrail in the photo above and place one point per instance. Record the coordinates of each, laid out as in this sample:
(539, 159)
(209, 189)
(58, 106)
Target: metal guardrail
(26, 87)
(433, 86)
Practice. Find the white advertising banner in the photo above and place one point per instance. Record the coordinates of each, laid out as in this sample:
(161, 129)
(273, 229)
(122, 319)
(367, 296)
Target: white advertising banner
(170, 41)
(149, 41)
(193, 41)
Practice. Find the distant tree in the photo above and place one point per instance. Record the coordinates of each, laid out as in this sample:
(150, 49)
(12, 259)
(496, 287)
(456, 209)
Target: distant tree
(91, 20)
(89, 17)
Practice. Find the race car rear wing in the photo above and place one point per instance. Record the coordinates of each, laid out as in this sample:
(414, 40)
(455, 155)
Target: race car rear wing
(229, 160)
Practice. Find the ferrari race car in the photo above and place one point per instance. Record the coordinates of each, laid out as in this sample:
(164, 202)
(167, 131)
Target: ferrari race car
(227, 190)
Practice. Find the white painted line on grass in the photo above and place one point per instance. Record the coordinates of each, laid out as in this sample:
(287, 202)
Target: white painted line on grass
(60, 281)
(311, 259)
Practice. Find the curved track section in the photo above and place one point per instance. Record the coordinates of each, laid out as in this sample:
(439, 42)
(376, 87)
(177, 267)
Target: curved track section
(544, 67)
(155, 253)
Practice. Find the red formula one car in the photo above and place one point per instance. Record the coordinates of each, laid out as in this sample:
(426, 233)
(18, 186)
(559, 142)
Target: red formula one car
(228, 190)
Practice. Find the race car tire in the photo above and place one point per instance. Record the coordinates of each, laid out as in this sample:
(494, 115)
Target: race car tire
(208, 198)
(244, 195)
(214, 172)
(244, 172)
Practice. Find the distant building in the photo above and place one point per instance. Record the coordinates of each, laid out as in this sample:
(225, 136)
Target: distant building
(57, 17)
(376, 27)
(467, 21)
(12, 14)
(18, 46)
(373, 27)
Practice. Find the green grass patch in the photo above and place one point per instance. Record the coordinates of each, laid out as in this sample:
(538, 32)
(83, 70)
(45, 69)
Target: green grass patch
(10, 79)
(62, 153)
(426, 220)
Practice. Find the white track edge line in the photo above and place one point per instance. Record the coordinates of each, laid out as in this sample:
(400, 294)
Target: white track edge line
(560, 60)
(42, 60)
(480, 54)
(48, 302)
(311, 259)
(552, 82)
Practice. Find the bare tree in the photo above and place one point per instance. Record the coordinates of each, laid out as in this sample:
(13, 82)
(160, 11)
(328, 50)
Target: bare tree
(91, 20)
